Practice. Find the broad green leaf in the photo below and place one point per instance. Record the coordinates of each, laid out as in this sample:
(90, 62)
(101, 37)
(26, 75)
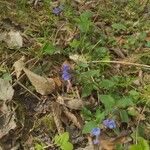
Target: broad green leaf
(107, 84)
(87, 90)
(84, 22)
(67, 146)
(7, 76)
(74, 43)
(147, 44)
(108, 101)
(99, 116)
(38, 147)
(118, 26)
(87, 114)
(57, 140)
(89, 126)
(49, 48)
(124, 116)
(142, 145)
(125, 102)
(64, 137)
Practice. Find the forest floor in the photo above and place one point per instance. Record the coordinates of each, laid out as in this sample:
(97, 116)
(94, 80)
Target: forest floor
(74, 75)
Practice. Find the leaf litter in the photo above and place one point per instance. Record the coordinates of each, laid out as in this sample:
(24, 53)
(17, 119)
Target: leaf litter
(91, 38)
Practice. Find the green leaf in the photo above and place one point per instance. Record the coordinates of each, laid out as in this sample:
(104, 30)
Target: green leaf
(67, 146)
(57, 140)
(118, 26)
(108, 101)
(84, 22)
(147, 44)
(64, 138)
(125, 102)
(7, 76)
(89, 126)
(99, 116)
(49, 48)
(87, 114)
(124, 116)
(142, 145)
(87, 90)
(38, 147)
(74, 43)
(107, 84)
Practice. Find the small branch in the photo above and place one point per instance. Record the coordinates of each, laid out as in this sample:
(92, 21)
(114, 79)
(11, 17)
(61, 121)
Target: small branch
(121, 62)
(28, 90)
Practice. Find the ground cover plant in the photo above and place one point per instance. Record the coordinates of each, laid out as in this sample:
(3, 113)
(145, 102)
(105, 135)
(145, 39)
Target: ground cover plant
(75, 75)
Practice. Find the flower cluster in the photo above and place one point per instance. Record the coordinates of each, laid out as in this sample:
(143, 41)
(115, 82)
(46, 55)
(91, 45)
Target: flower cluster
(109, 123)
(57, 10)
(96, 132)
(65, 72)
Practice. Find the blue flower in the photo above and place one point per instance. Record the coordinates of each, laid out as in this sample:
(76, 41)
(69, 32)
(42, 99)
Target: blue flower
(65, 72)
(109, 123)
(96, 141)
(96, 131)
(57, 10)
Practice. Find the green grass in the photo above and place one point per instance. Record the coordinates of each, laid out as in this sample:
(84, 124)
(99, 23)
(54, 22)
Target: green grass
(95, 31)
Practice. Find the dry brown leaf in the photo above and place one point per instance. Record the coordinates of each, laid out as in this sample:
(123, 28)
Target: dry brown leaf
(71, 103)
(110, 144)
(57, 81)
(6, 90)
(72, 117)
(19, 65)
(56, 114)
(7, 116)
(13, 39)
(44, 86)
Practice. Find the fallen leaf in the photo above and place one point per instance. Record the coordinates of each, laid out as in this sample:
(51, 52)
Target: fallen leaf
(57, 81)
(72, 117)
(56, 114)
(13, 39)
(72, 103)
(6, 90)
(110, 144)
(19, 65)
(7, 116)
(78, 58)
(43, 85)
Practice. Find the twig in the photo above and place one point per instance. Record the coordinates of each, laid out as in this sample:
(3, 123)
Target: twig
(121, 62)
(28, 90)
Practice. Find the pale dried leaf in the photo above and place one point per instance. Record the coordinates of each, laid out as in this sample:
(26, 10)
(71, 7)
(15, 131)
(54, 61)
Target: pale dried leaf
(78, 58)
(72, 117)
(6, 90)
(44, 86)
(71, 103)
(19, 65)
(14, 39)
(7, 120)
(110, 144)
(57, 114)
(6, 115)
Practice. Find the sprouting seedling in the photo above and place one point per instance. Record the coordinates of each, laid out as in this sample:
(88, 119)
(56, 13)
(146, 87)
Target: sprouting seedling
(96, 132)
(109, 123)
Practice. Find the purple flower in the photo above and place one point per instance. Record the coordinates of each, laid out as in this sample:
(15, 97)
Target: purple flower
(96, 131)
(109, 123)
(57, 10)
(65, 72)
(96, 141)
